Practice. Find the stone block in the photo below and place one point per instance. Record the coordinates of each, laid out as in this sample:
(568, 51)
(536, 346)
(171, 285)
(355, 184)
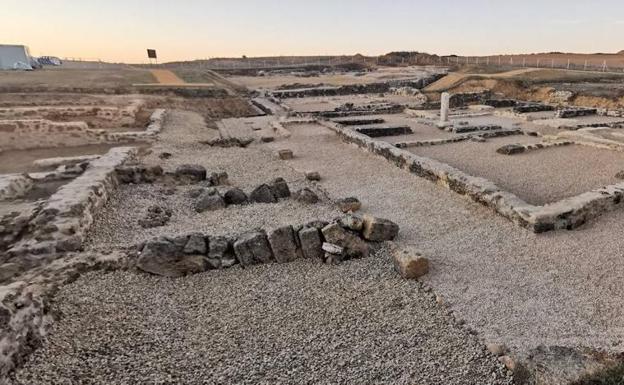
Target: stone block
(209, 202)
(253, 248)
(285, 154)
(279, 187)
(263, 194)
(350, 204)
(354, 246)
(306, 195)
(235, 196)
(283, 244)
(311, 242)
(379, 229)
(410, 265)
(193, 172)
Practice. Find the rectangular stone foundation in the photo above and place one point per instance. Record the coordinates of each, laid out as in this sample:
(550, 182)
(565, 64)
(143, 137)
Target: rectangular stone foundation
(378, 131)
(565, 214)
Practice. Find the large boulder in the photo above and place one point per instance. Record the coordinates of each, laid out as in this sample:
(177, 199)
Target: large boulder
(280, 188)
(220, 253)
(354, 246)
(193, 172)
(253, 248)
(311, 242)
(209, 201)
(379, 229)
(163, 257)
(263, 194)
(283, 244)
(235, 196)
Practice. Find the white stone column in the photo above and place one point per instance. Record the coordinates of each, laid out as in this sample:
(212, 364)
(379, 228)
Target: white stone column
(444, 108)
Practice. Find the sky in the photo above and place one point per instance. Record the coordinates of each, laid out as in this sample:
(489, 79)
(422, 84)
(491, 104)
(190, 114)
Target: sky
(121, 30)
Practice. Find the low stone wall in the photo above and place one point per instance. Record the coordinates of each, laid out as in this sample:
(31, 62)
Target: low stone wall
(25, 303)
(345, 238)
(359, 121)
(64, 219)
(120, 115)
(565, 214)
(40, 133)
(512, 149)
(532, 107)
(378, 131)
(570, 112)
(477, 135)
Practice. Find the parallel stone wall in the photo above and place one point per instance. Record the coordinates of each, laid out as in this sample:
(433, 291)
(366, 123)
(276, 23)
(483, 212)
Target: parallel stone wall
(61, 224)
(565, 214)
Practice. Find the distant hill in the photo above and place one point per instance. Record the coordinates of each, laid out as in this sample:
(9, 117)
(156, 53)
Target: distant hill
(621, 52)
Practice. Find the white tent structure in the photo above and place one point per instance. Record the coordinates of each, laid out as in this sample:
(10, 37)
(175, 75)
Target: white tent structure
(14, 57)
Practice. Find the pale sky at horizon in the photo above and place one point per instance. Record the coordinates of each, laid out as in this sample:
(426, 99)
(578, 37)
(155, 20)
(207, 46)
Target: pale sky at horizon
(117, 30)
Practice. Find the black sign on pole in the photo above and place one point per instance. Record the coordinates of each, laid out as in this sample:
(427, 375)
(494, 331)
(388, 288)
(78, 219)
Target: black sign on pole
(151, 54)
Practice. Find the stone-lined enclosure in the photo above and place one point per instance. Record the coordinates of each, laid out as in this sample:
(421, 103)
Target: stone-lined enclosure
(41, 133)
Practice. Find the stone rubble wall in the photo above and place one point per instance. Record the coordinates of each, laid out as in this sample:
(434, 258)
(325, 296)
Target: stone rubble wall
(14, 186)
(120, 115)
(512, 149)
(565, 214)
(40, 133)
(64, 219)
(24, 304)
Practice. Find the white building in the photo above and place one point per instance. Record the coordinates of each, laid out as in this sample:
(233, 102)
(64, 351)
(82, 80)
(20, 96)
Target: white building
(14, 57)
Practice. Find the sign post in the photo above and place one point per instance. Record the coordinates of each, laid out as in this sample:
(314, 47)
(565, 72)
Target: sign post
(151, 54)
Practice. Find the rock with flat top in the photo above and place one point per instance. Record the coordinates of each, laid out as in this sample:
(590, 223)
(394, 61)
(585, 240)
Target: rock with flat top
(409, 264)
(285, 154)
(379, 229)
(194, 172)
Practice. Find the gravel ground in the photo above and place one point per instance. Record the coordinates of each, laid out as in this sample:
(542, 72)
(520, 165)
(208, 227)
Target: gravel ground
(538, 177)
(247, 168)
(297, 323)
(513, 286)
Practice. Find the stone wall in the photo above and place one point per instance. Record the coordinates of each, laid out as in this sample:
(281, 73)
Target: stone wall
(344, 238)
(123, 116)
(62, 222)
(565, 214)
(41, 133)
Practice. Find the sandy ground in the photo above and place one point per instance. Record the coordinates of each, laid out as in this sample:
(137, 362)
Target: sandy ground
(538, 177)
(514, 286)
(67, 78)
(166, 77)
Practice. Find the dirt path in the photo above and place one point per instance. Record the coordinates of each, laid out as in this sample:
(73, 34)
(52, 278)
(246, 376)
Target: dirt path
(167, 77)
